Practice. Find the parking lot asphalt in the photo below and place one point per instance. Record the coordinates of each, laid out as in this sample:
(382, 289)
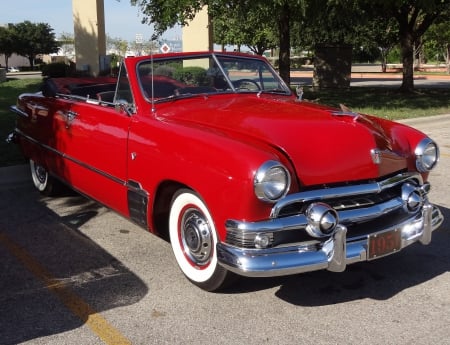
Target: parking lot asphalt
(72, 272)
(14, 174)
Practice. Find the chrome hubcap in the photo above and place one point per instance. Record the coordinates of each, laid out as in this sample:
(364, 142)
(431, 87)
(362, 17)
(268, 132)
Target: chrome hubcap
(41, 173)
(196, 237)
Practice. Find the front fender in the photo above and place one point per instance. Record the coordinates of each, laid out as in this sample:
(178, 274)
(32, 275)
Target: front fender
(219, 168)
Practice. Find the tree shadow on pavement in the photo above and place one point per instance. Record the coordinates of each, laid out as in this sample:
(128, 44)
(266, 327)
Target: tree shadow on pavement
(37, 247)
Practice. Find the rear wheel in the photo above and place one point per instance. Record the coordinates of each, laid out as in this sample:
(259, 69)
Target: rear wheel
(43, 182)
(194, 238)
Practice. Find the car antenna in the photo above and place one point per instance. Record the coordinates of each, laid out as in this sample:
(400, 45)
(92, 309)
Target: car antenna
(151, 66)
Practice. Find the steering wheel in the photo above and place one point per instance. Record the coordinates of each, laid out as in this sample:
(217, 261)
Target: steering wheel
(246, 84)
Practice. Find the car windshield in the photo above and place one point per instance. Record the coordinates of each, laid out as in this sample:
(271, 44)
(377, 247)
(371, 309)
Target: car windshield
(183, 76)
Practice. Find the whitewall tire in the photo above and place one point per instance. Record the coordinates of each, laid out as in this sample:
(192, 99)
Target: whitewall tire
(193, 237)
(42, 180)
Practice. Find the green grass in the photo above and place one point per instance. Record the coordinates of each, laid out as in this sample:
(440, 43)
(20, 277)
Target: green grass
(9, 90)
(383, 102)
(386, 102)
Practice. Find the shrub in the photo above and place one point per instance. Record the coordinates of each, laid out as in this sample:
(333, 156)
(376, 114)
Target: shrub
(191, 75)
(55, 70)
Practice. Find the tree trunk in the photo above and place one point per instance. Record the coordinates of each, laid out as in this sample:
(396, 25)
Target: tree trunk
(407, 51)
(31, 60)
(6, 61)
(285, 43)
(447, 59)
(384, 55)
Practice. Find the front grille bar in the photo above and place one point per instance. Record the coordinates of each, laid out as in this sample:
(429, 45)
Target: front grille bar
(343, 191)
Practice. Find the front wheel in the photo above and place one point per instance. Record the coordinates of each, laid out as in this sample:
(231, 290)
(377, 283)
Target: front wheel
(194, 238)
(42, 180)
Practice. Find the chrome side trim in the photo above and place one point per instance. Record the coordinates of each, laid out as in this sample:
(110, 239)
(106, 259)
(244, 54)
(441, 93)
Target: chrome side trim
(11, 138)
(72, 159)
(18, 111)
(333, 255)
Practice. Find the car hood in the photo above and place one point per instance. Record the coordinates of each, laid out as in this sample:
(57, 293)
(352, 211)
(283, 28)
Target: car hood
(324, 145)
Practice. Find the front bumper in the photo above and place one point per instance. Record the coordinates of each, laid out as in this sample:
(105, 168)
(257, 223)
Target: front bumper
(334, 254)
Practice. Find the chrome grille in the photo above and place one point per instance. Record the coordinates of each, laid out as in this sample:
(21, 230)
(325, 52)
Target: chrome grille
(362, 208)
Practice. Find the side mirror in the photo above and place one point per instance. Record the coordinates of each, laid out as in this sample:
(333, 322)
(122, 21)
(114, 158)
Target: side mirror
(122, 105)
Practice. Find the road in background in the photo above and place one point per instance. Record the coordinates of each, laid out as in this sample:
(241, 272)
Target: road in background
(370, 75)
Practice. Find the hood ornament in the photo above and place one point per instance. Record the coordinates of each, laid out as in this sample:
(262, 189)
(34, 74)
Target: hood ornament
(376, 156)
(346, 111)
(299, 92)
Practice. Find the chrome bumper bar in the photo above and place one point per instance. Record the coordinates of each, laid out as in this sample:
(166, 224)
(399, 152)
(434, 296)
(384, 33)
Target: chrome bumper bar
(334, 254)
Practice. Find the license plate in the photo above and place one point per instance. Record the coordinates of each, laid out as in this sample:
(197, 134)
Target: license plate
(384, 243)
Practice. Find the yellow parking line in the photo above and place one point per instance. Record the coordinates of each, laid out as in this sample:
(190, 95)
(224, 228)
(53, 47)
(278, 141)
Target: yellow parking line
(107, 333)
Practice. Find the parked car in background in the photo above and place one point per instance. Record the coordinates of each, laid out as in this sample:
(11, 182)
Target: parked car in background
(216, 153)
(12, 69)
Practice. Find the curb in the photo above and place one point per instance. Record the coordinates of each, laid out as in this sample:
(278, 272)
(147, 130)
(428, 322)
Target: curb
(420, 120)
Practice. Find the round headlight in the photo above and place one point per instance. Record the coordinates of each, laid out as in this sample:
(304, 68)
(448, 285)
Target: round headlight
(427, 155)
(272, 181)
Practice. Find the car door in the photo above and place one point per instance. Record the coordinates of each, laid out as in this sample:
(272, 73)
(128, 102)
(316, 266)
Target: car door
(93, 138)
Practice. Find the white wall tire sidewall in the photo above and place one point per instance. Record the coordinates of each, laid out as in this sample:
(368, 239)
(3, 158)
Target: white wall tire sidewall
(41, 186)
(191, 272)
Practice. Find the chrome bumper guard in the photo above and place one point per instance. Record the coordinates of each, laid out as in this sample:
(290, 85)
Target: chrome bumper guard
(334, 254)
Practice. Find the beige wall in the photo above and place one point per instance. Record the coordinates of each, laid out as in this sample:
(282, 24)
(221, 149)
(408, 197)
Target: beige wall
(197, 36)
(89, 30)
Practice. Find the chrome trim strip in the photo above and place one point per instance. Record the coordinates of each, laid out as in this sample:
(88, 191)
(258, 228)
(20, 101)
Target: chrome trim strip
(300, 221)
(334, 255)
(336, 192)
(18, 111)
(72, 159)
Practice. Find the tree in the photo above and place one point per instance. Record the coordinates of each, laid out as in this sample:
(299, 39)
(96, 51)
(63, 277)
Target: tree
(119, 45)
(66, 42)
(240, 25)
(414, 17)
(336, 21)
(438, 37)
(164, 14)
(354, 21)
(32, 39)
(6, 42)
(256, 22)
(380, 34)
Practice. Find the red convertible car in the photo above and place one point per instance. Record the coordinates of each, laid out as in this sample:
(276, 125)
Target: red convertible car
(216, 153)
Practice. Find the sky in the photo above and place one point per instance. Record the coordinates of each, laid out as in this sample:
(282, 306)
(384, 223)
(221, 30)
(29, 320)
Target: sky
(121, 19)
